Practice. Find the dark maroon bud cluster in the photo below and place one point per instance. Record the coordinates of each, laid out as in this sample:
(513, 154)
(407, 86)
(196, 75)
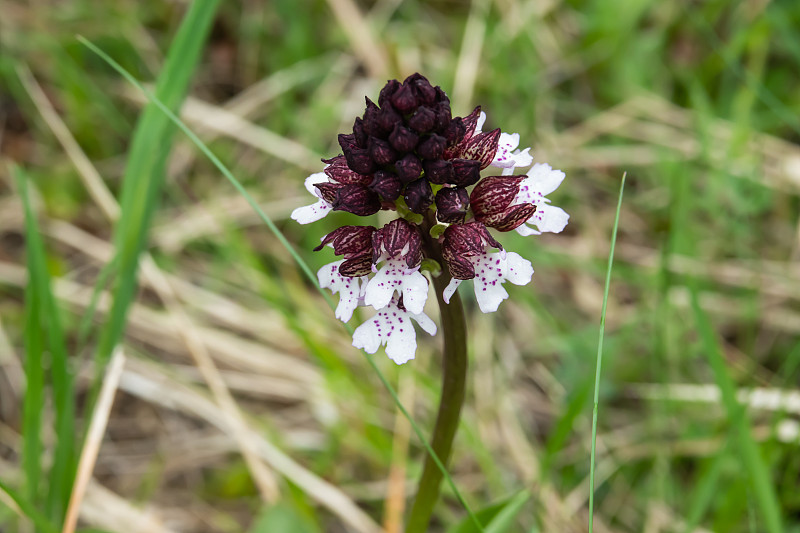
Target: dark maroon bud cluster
(409, 146)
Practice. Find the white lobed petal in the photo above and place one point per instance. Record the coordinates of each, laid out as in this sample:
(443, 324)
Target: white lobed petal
(543, 179)
(548, 218)
(314, 179)
(311, 213)
(522, 158)
(392, 326)
(504, 158)
(394, 276)
(348, 288)
(519, 270)
(491, 271)
(525, 230)
(450, 290)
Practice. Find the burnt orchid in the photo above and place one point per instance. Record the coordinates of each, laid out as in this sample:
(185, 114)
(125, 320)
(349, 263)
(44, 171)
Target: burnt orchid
(408, 154)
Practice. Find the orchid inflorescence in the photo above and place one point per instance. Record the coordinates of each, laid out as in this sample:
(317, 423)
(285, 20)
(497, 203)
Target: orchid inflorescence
(408, 154)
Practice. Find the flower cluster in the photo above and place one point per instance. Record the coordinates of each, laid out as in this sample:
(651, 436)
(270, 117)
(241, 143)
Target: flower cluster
(408, 154)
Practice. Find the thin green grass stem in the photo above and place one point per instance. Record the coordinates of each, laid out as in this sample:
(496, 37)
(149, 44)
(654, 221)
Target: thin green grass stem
(596, 404)
(288, 246)
(62, 470)
(749, 451)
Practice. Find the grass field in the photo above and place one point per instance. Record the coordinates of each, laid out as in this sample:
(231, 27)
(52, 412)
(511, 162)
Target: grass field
(132, 271)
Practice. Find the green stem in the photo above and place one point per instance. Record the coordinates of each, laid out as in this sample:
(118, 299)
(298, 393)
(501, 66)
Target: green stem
(454, 378)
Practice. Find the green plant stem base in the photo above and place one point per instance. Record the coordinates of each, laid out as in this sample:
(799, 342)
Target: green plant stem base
(454, 378)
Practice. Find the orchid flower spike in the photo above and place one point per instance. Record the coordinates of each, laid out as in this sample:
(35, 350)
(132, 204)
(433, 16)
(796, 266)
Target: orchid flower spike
(408, 154)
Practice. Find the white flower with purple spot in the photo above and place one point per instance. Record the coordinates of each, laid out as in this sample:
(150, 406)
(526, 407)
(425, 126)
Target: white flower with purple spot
(395, 276)
(508, 156)
(350, 289)
(491, 271)
(391, 326)
(542, 180)
(316, 211)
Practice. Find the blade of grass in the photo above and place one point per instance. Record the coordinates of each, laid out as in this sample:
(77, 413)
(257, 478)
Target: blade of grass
(28, 509)
(145, 171)
(288, 246)
(749, 450)
(600, 353)
(60, 476)
(33, 404)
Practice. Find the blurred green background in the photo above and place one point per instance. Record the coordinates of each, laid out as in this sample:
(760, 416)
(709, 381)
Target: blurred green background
(697, 101)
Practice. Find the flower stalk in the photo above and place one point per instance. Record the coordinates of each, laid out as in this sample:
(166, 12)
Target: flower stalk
(454, 380)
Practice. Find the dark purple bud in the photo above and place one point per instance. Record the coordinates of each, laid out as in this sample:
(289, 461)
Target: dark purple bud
(371, 114)
(419, 195)
(388, 118)
(408, 168)
(423, 120)
(388, 90)
(358, 266)
(442, 116)
(494, 193)
(338, 171)
(438, 171)
(432, 147)
(359, 133)
(482, 147)
(387, 185)
(381, 151)
(348, 142)
(398, 238)
(403, 139)
(512, 218)
(492, 202)
(349, 241)
(462, 241)
(459, 266)
(359, 160)
(470, 122)
(356, 199)
(426, 94)
(405, 99)
(466, 172)
(455, 132)
(451, 205)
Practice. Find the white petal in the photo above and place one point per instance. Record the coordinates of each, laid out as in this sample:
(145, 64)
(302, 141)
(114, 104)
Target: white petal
(425, 323)
(479, 124)
(347, 287)
(392, 326)
(490, 296)
(527, 230)
(549, 218)
(490, 271)
(522, 158)
(415, 292)
(314, 179)
(451, 289)
(394, 276)
(366, 337)
(311, 213)
(401, 347)
(503, 158)
(519, 270)
(544, 179)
